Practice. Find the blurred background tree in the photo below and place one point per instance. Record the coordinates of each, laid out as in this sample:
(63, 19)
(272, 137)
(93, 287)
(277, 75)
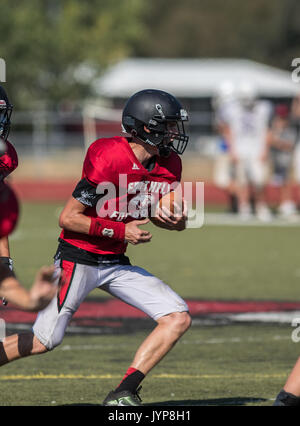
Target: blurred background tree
(55, 48)
(263, 30)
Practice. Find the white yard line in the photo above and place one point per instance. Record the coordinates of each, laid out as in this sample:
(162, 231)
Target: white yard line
(229, 219)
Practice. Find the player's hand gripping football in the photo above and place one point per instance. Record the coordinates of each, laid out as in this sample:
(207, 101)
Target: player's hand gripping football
(134, 235)
(169, 214)
(43, 289)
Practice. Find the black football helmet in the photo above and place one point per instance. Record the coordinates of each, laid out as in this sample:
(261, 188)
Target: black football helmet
(5, 114)
(158, 111)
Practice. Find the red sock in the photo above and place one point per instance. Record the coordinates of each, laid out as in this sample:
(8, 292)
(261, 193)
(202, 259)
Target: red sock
(131, 380)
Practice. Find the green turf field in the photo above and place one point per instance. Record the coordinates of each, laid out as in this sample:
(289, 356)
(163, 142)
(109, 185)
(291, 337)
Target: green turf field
(236, 365)
(213, 365)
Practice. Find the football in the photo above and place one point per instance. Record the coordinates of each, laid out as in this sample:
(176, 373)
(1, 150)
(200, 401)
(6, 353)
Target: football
(168, 201)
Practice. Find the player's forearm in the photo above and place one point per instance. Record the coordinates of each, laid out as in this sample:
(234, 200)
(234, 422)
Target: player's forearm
(93, 226)
(4, 247)
(13, 292)
(77, 222)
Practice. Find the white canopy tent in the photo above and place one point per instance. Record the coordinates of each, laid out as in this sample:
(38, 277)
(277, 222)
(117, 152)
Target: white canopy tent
(194, 81)
(193, 78)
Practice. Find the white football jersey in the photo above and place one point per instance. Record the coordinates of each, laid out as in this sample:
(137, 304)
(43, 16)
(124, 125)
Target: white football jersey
(249, 128)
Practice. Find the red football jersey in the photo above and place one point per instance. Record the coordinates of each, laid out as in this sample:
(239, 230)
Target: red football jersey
(131, 189)
(9, 210)
(8, 161)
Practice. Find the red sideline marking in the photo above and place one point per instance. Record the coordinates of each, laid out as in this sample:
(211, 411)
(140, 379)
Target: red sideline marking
(117, 309)
(61, 191)
(43, 191)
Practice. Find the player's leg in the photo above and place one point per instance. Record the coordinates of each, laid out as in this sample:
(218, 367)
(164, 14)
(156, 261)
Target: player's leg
(146, 292)
(142, 290)
(168, 331)
(154, 348)
(243, 192)
(223, 179)
(287, 206)
(20, 346)
(290, 394)
(296, 173)
(258, 178)
(51, 323)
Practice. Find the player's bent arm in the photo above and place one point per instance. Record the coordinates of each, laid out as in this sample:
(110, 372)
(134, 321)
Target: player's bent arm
(37, 298)
(4, 247)
(14, 293)
(73, 219)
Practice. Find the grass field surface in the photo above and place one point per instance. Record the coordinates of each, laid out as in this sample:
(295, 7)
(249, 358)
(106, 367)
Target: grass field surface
(232, 365)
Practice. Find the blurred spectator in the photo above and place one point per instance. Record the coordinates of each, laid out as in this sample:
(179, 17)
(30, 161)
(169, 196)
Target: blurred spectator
(282, 140)
(223, 168)
(295, 121)
(247, 122)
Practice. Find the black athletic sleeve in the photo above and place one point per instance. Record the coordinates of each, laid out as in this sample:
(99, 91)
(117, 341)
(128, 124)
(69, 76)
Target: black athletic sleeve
(86, 194)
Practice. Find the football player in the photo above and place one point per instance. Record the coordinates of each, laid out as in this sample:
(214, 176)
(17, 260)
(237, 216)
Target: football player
(289, 396)
(121, 176)
(282, 141)
(247, 123)
(8, 162)
(43, 289)
(223, 167)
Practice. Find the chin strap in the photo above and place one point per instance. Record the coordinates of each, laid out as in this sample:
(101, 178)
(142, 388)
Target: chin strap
(163, 150)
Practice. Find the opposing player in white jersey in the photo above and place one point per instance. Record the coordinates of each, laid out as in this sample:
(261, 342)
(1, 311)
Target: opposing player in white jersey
(248, 128)
(295, 119)
(223, 166)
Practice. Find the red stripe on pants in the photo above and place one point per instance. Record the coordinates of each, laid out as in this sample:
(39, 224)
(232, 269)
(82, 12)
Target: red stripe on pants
(65, 281)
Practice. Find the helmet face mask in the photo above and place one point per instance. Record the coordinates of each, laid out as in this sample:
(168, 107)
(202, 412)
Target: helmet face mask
(177, 139)
(156, 117)
(5, 114)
